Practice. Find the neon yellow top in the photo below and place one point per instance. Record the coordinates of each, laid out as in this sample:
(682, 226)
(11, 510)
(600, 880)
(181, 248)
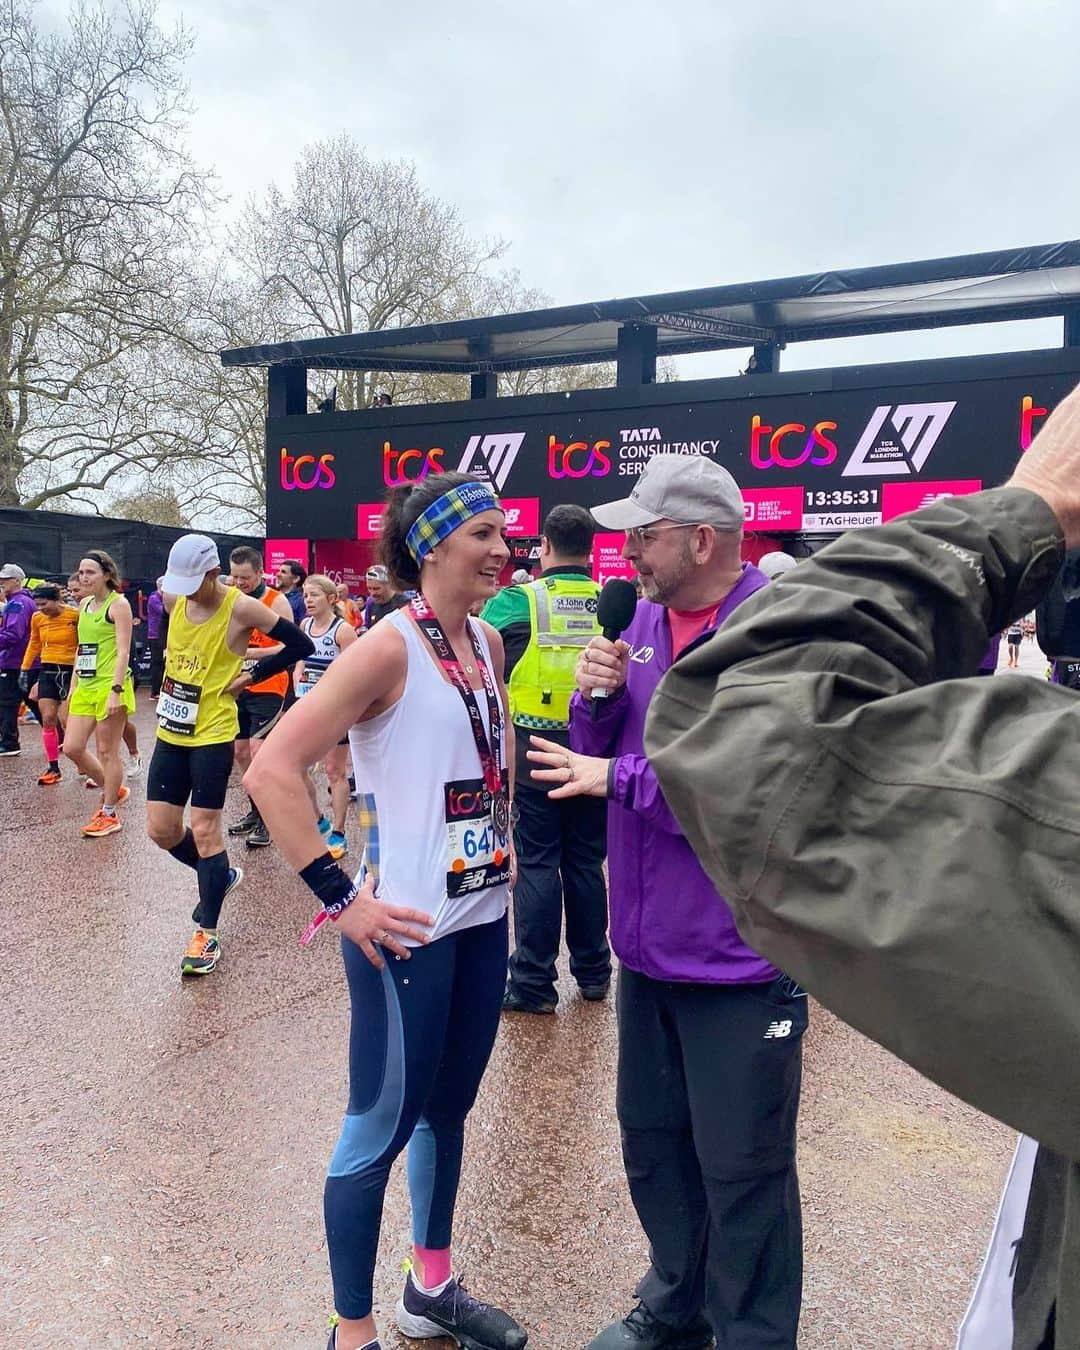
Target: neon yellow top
(194, 708)
(95, 656)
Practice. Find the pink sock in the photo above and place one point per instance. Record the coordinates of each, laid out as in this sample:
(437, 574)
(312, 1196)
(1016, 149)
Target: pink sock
(434, 1265)
(51, 743)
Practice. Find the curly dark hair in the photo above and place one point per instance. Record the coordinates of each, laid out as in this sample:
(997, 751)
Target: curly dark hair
(403, 507)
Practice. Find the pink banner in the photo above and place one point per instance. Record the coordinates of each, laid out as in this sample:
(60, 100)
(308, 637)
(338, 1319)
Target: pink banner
(369, 519)
(607, 559)
(277, 550)
(779, 508)
(345, 560)
(522, 515)
(897, 499)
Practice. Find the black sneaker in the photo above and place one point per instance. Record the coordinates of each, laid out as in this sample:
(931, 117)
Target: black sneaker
(246, 823)
(454, 1312)
(331, 1344)
(259, 837)
(640, 1330)
(595, 993)
(513, 1002)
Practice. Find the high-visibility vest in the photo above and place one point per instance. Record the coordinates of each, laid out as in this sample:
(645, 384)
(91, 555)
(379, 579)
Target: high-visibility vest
(562, 615)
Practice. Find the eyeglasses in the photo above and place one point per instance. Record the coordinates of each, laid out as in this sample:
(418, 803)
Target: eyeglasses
(646, 534)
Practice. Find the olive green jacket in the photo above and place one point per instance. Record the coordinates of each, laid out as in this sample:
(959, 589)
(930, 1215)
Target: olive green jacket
(903, 841)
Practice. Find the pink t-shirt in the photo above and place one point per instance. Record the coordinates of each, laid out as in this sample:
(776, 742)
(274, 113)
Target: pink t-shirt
(687, 624)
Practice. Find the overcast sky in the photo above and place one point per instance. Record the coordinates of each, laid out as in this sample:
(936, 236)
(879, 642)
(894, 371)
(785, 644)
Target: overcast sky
(623, 147)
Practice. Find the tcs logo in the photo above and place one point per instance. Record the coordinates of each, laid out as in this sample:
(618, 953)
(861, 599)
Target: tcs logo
(305, 472)
(578, 459)
(767, 449)
(411, 465)
(464, 803)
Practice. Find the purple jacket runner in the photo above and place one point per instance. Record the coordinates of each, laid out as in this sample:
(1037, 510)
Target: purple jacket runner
(668, 920)
(15, 629)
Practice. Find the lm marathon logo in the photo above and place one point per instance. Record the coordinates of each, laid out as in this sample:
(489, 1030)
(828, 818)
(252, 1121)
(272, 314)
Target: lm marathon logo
(898, 439)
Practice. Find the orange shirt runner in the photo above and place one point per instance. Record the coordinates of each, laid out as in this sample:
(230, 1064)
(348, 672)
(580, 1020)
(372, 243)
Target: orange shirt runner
(53, 639)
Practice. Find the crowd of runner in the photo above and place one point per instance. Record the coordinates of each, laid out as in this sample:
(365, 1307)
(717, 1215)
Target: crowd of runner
(407, 688)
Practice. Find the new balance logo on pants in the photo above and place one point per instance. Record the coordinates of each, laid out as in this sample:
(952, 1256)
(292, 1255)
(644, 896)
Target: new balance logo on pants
(778, 1030)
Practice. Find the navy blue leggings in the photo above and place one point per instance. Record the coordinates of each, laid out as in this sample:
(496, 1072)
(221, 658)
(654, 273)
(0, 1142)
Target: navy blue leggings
(421, 1036)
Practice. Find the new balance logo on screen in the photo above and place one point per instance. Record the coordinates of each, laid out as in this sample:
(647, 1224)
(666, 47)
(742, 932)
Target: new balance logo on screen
(494, 454)
(898, 440)
(778, 1030)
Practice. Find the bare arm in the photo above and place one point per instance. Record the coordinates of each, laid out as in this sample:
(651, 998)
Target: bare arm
(366, 675)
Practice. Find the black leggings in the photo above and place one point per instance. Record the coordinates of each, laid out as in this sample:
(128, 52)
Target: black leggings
(421, 1035)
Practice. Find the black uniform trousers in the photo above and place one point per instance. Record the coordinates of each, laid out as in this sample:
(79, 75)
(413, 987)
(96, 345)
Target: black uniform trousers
(707, 1099)
(10, 699)
(560, 850)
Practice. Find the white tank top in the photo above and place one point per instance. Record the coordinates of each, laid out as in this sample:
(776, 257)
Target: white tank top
(436, 850)
(326, 650)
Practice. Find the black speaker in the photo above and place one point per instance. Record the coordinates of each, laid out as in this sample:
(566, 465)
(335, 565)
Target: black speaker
(1057, 617)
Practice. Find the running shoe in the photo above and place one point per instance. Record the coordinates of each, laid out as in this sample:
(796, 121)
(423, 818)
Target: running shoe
(325, 827)
(123, 794)
(245, 824)
(454, 1312)
(236, 876)
(331, 1344)
(90, 785)
(15, 751)
(259, 837)
(337, 845)
(640, 1330)
(202, 955)
(101, 825)
(49, 777)
(134, 767)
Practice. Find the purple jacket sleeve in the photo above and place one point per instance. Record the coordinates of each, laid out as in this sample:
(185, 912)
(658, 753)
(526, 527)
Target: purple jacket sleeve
(14, 632)
(633, 784)
(596, 737)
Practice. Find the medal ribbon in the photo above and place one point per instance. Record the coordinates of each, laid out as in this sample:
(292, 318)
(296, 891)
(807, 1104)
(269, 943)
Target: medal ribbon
(488, 751)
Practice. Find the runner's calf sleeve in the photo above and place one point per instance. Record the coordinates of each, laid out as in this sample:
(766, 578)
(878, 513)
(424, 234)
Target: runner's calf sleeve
(213, 883)
(185, 851)
(297, 646)
(51, 743)
(334, 887)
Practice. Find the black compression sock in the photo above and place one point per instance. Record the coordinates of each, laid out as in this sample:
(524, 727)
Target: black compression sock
(213, 882)
(185, 851)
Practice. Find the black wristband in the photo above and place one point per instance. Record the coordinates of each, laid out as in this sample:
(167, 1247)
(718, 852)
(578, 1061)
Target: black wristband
(332, 886)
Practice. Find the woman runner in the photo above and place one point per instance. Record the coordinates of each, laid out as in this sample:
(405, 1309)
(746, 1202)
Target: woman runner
(102, 694)
(425, 959)
(328, 629)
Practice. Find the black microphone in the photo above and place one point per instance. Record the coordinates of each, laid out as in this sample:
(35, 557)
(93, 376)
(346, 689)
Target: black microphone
(614, 612)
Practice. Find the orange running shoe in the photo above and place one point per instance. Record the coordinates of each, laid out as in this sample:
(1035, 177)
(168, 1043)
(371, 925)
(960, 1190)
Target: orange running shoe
(123, 794)
(101, 825)
(202, 955)
(49, 777)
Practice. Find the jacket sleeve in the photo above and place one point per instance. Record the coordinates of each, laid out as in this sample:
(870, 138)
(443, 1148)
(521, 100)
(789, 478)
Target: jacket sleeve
(14, 632)
(901, 840)
(632, 783)
(596, 735)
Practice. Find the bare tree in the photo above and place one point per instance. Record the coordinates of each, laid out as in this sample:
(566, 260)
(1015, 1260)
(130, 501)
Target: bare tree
(100, 213)
(153, 503)
(356, 245)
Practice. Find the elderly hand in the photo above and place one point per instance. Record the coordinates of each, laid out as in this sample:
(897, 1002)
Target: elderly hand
(602, 665)
(1051, 467)
(573, 775)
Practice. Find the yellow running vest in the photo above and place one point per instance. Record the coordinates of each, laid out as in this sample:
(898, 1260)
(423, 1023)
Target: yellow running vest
(193, 708)
(562, 613)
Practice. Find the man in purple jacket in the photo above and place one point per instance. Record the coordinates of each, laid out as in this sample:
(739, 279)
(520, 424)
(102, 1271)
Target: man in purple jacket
(709, 1033)
(14, 635)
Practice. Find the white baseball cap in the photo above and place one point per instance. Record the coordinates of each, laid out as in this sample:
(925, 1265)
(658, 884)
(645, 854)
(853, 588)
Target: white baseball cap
(689, 489)
(12, 572)
(775, 564)
(190, 558)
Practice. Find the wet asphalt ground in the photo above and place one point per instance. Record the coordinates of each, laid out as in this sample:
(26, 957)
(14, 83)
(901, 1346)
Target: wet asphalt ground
(164, 1143)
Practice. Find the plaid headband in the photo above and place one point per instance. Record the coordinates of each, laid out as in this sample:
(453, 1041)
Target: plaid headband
(446, 514)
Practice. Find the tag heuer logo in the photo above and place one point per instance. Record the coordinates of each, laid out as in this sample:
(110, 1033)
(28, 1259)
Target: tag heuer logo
(898, 440)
